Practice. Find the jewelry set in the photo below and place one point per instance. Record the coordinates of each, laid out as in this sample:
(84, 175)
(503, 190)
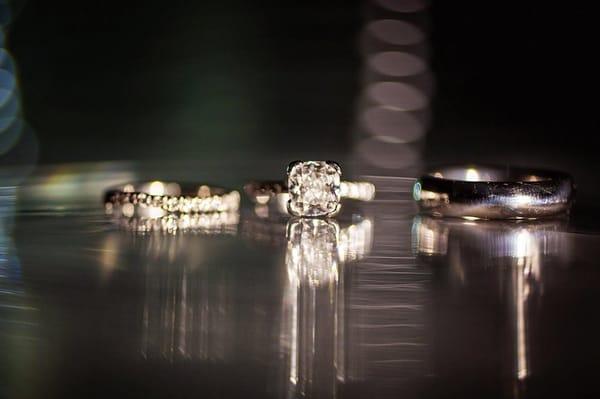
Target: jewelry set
(314, 189)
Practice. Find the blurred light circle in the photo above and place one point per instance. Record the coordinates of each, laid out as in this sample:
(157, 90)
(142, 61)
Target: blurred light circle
(396, 63)
(402, 5)
(19, 150)
(10, 134)
(9, 107)
(8, 85)
(398, 95)
(392, 125)
(395, 32)
(386, 155)
(6, 61)
(5, 13)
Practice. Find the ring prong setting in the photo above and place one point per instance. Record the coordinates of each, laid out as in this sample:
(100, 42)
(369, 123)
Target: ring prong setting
(314, 188)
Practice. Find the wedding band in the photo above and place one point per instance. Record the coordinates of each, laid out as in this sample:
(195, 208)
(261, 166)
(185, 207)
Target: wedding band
(484, 192)
(172, 198)
(313, 189)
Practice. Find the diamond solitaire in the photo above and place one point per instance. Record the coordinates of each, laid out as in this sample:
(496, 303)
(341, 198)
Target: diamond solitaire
(314, 188)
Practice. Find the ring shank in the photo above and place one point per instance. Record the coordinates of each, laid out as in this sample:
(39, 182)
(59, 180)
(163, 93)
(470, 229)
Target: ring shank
(263, 192)
(494, 193)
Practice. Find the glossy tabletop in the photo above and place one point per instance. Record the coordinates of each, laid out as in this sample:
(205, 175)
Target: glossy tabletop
(379, 302)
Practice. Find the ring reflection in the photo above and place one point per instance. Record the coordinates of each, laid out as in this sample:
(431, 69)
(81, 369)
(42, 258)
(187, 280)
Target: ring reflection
(312, 330)
(153, 219)
(493, 259)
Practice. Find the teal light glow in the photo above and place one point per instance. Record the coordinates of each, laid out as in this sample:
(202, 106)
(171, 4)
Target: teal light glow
(417, 191)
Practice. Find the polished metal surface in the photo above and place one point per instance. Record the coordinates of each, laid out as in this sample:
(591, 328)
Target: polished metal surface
(482, 192)
(379, 302)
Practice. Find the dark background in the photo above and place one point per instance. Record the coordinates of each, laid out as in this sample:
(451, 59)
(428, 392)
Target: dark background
(114, 80)
(194, 81)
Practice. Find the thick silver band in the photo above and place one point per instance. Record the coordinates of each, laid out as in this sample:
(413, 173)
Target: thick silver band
(173, 197)
(483, 192)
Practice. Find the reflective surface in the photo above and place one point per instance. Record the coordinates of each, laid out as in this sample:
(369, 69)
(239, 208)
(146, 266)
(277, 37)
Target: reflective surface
(250, 303)
(376, 303)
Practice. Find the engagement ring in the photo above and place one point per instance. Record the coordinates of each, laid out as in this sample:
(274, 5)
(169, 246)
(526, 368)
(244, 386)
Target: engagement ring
(313, 189)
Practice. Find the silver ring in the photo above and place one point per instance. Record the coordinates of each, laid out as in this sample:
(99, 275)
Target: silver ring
(313, 189)
(484, 192)
(157, 198)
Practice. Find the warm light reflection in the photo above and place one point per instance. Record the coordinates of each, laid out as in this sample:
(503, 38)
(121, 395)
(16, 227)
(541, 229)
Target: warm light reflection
(522, 200)
(128, 210)
(262, 199)
(362, 191)
(189, 312)
(523, 245)
(196, 223)
(355, 241)
(312, 330)
(472, 175)
(282, 200)
(429, 237)
(312, 251)
(316, 247)
(156, 188)
(108, 256)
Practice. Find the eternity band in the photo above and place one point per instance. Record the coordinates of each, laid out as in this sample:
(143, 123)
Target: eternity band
(484, 192)
(172, 197)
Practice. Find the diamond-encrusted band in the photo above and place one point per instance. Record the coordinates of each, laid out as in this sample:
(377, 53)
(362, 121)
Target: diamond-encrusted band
(172, 198)
(313, 189)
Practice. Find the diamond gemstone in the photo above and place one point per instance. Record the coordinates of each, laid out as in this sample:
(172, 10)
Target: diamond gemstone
(314, 188)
